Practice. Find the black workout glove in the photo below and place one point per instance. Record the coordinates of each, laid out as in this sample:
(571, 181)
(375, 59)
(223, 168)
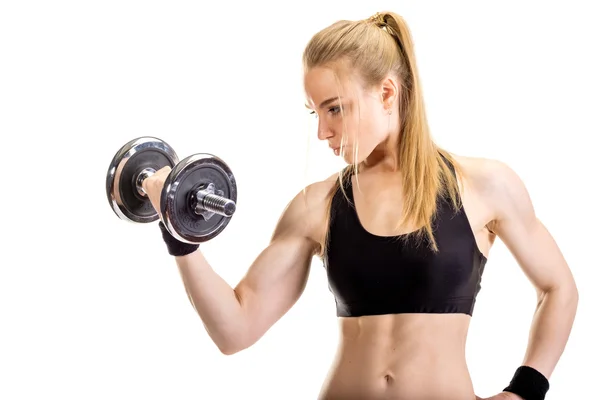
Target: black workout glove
(528, 383)
(175, 247)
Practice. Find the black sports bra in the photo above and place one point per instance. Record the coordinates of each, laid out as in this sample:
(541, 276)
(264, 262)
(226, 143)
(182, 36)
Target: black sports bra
(374, 275)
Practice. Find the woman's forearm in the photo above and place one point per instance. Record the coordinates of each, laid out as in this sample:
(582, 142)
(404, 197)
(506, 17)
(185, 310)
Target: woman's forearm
(550, 329)
(214, 300)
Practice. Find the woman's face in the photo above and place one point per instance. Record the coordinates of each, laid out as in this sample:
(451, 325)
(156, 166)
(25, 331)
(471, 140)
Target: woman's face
(352, 119)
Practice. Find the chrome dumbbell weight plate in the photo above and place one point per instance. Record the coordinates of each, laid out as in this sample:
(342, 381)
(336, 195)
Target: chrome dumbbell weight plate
(199, 198)
(137, 159)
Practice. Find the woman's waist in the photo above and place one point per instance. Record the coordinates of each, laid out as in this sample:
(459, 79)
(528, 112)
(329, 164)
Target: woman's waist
(401, 356)
(411, 386)
(400, 374)
(402, 359)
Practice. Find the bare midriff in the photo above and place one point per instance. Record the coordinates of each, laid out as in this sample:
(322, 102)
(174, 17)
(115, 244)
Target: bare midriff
(401, 357)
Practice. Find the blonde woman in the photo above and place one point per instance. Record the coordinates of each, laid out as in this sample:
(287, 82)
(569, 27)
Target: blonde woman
(404, 232)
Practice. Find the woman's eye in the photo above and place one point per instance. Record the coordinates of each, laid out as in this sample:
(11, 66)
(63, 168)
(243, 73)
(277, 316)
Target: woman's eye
(332, 111)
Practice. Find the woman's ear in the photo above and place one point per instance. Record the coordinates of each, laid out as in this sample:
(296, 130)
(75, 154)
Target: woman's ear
(389, 92)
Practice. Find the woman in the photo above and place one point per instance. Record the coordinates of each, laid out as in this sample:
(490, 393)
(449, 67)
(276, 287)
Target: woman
(404, 232)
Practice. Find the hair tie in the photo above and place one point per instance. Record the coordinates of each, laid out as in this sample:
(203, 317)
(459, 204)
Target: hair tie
(378, 19)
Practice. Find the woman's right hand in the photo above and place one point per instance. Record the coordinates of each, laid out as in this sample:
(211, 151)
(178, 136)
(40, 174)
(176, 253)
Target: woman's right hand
(153, 186)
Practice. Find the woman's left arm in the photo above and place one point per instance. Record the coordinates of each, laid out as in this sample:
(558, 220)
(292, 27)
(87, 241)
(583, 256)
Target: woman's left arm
(538, 255)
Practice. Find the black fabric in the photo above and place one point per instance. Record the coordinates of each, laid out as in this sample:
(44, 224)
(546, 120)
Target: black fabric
(374, 275)
(175, 247)
(528, 383)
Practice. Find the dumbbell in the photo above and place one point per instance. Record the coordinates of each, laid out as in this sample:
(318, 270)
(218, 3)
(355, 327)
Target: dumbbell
(198, 198)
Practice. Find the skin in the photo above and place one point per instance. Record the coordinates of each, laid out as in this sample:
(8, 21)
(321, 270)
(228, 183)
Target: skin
(405, 356)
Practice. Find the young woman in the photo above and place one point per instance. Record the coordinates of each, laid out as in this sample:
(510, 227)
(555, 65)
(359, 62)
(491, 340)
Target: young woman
(404, 232)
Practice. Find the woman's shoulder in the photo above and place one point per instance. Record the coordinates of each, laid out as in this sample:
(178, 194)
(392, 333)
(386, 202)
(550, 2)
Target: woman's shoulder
(309, 207)
(482, 170)
(489, 178)
(316, 196)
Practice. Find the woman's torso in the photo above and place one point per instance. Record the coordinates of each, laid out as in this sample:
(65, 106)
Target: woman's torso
(419, 351)
(400, 357)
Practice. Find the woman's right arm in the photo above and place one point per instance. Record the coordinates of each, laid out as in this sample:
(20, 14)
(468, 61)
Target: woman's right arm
(235, 318)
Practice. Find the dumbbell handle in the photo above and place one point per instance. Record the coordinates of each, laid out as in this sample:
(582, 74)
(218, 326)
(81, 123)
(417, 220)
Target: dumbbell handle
(206, 202)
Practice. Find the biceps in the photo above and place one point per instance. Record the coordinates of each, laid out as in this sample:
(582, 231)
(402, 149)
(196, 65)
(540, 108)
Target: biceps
(275, 281)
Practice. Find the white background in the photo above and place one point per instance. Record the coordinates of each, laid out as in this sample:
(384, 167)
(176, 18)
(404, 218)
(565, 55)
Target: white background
(92, 307)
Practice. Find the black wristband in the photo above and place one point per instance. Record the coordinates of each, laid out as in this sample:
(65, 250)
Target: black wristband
(528, 383)
(175, 247)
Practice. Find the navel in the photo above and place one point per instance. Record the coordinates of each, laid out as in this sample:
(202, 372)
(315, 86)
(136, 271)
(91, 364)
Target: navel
(389, 379)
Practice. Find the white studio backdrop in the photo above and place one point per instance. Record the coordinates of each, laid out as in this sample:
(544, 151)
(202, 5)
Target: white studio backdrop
(93, 307)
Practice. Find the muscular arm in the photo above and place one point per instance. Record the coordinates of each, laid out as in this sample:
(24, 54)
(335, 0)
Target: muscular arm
(542, 262)
(235, 318)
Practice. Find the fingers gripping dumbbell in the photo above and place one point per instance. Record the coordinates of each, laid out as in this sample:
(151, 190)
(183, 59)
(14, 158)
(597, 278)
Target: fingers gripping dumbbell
(198, 198)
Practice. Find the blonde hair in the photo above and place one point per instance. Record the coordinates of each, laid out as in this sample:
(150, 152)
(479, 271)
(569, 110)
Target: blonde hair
(374, 48)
